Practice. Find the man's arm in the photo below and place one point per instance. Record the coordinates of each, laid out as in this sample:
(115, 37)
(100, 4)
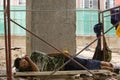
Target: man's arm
(32, 64)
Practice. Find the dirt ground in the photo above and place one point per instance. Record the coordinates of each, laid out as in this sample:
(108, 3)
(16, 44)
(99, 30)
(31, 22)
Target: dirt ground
(20, 43)
(87, 54)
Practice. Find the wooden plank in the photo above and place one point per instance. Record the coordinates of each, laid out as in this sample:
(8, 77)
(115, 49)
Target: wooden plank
(60, 73)
(66, 75)
(3, 75)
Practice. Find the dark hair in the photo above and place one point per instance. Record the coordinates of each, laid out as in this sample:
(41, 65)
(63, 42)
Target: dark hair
(17, 63)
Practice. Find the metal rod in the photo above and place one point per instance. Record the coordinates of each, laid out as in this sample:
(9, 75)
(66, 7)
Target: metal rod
(99, 18)
(109, 9)
(9, 39)
(41, 10)
(71, 58)
(6, 43)
(14, 10)
(112, 14)
(52, 46)
(81, 51)
(98, 11)
(35, 35)
(103, 45)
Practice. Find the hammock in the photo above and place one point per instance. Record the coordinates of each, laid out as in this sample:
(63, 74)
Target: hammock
(105, 54)
(45, 62)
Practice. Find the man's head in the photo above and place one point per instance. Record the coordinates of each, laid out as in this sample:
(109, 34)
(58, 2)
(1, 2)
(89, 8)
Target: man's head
(21, 63)
(17, 63)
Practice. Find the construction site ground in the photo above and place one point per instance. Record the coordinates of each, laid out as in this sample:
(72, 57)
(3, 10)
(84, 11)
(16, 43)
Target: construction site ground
(20, 42)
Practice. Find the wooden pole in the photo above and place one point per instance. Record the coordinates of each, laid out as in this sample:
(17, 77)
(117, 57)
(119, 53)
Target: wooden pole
(98, 11)
(9, 40)
(6, 40)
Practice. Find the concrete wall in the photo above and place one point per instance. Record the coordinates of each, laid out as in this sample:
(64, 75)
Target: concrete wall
(54, 22)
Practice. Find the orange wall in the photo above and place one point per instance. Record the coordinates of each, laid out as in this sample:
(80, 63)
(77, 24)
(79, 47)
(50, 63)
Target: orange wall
(117, 2)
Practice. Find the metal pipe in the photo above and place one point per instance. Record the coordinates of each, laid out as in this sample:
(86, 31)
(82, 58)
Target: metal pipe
(52, 46)
(99, 18)
(6, 43)
(112, 14)
(36, 36)
(41, 10)
(103, 45)
(98, 11)
(109, 9)
(81, 51)
(9, 39)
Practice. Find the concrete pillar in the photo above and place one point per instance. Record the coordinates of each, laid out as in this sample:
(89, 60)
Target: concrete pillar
(53, 21)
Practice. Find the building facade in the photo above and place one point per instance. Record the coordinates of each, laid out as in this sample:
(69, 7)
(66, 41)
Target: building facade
(15, 2)
(87, 15)
(18, 16)
(93, 4)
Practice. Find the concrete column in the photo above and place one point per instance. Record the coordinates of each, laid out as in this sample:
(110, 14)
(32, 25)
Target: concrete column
(55, 22)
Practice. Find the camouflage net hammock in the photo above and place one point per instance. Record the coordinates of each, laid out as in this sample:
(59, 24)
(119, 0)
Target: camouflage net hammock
(45, 62)
(106, 53)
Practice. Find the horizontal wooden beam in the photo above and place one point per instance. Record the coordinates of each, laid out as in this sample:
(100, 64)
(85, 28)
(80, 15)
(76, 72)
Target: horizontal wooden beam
(59, 73)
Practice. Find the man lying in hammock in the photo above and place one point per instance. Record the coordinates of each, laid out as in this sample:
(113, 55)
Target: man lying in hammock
(40, 61)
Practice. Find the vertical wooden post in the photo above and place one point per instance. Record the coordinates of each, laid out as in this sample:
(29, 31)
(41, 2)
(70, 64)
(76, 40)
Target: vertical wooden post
(99, 18)
(6, 43)
(7, 30)
(9, 40)
(98, 11)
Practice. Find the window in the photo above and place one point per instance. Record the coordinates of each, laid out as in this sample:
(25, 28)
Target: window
(90, 4)
(86, 4)
(22, 2)
(109, 4)
(95, 4)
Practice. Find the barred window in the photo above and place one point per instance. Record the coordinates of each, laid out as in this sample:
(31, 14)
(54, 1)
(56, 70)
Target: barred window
(22, 2)
(86, 4)
(109, 4)
(95, 4)
(90, 4)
